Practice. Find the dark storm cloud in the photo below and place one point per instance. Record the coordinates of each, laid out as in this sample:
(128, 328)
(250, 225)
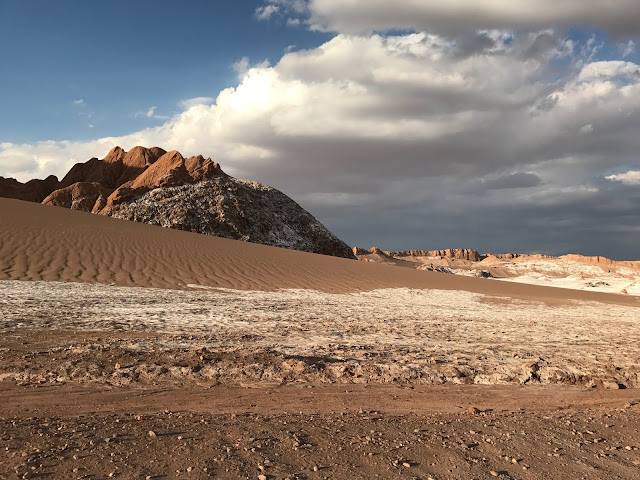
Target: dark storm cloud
(514, 180)
(455, 16)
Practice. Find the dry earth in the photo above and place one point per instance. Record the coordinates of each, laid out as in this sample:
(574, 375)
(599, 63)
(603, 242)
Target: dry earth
(105, 381)
(397, 336)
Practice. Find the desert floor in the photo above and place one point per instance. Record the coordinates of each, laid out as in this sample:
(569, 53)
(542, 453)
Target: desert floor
(105, 381)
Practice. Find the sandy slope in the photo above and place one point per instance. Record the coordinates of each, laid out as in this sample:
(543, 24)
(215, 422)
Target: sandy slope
(40, 242)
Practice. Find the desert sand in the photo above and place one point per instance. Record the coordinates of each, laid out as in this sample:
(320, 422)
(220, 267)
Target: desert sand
(54, 244)
(133, 351)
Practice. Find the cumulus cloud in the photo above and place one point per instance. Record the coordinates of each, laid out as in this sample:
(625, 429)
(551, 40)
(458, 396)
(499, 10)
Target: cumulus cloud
(423, 138)
(632, 177)
(358, 16)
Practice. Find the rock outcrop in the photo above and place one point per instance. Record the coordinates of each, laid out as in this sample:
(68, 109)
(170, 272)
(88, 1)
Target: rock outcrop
(85, 196)
(170, 170)
(194, 194)
(457, 253)
(116, 169)
(32, 191)
(238, 209)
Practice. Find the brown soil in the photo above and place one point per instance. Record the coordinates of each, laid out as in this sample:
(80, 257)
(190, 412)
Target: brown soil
(323, 432)
(95, 427)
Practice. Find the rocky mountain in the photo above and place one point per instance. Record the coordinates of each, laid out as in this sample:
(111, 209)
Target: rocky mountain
(568, 271)
(194, 194)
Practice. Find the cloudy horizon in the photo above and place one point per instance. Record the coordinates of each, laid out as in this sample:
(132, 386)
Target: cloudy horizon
(488, 124)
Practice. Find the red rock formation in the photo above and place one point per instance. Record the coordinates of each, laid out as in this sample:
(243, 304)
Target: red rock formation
(170, 170)
(117, 168)
(457, 253)
(83, 196)
(32, 191)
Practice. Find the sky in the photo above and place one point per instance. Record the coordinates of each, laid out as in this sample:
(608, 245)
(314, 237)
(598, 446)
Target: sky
(498, 125)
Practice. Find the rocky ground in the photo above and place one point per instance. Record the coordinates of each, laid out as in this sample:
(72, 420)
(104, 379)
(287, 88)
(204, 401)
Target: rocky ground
(292, 432)
(396, 336)
(104, 382)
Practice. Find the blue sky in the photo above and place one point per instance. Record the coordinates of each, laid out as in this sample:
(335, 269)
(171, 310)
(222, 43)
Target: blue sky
(121, 58)
(500, 125)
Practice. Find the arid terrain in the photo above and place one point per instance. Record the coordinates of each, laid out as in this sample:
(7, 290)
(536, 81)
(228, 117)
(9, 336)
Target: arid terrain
(576, 272)
(134, 351)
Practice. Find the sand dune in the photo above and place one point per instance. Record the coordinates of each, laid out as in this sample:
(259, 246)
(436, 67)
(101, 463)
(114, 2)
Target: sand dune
(39, 242)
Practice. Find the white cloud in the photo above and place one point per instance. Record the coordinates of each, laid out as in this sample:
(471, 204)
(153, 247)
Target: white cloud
(362, 101)
(79, 101)
(150, 113)
(586, 129)
(357, 16)
(192, 102)
(266, 12)
(294, 6)
(628, 48)
(242, 66)
(632, 177)
(293, 10)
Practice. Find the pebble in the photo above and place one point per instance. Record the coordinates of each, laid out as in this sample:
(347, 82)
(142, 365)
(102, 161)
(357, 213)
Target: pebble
(152, 434)
(406, 464)
(493, 473)
(262, 477)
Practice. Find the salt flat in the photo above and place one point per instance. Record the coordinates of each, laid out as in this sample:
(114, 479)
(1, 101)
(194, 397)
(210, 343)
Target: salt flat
(386, 335)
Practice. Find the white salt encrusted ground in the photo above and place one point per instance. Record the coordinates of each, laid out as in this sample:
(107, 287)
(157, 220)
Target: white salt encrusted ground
(554, 272)
(402, 335)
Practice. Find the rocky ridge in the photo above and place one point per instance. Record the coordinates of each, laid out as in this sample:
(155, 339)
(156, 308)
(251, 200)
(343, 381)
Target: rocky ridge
(194, 194)
(457, 253)
(567, 271)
